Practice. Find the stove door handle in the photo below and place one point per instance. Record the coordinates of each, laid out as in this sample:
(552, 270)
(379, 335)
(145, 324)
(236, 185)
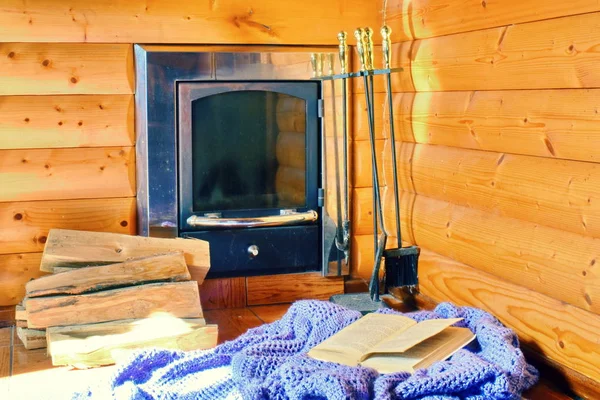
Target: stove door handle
(252, 222)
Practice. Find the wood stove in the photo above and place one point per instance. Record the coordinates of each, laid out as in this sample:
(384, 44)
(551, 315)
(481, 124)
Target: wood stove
(231, 149)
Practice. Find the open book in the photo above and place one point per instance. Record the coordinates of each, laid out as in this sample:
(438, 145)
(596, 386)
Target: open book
(393, 343)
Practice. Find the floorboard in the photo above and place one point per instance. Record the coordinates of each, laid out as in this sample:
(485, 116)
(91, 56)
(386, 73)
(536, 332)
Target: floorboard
(232, 322)
(269, 314)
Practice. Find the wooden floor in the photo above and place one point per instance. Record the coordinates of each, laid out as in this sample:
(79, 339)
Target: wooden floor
(29, 374)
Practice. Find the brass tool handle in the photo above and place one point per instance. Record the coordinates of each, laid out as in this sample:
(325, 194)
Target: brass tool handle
(358, 34)
(313, 63)
(319, 64)
(386, 46)
(368, 43)
(330, 63)
(273, 220)
(343, 51)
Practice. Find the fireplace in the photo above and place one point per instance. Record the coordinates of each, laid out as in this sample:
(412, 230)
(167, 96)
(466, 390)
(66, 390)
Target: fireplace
(232, 149)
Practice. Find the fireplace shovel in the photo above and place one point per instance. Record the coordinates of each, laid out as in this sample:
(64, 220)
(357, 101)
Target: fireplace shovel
(401, 264)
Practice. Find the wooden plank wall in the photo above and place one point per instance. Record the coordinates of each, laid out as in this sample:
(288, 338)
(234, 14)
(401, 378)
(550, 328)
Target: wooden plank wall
(67, 155)
(498, 131)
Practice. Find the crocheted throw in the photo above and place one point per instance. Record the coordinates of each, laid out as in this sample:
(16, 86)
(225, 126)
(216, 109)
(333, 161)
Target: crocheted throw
(270, 362)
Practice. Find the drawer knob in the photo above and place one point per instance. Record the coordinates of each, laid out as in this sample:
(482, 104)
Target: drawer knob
(253, 250)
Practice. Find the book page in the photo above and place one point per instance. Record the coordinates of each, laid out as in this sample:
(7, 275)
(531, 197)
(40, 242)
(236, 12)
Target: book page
(424, 354)
(410, 337)
(348, 345)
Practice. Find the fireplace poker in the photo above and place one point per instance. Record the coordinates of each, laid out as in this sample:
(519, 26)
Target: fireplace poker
(401, 278)
(343, 245)
(364, 47)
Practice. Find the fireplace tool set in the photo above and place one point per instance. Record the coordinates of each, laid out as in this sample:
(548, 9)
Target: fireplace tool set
(401, 263)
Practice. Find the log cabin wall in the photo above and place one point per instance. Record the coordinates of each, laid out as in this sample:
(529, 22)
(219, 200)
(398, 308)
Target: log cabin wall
(67, 156)
(498, 131)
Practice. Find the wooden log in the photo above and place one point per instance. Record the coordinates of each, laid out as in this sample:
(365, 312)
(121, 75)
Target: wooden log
(94, 345)
(546, 123)
(292, 287)
(548, 54)
(168, 267)
(362, 163)
(66, 121)
(291, 121)
(20, 313)
(556, 263)
(363, 256)
(562, 332)
(52, 174)
(360, 117)
(290, 185)
(290, 104)
(24, 226)
(61, 68)
(226, 22)
(556, 193)
(180, 299)
(32, 338)
(430, 18)
(15, 271)
(291, 149)
(68, 248)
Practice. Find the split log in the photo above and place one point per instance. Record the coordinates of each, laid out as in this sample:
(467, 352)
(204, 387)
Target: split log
(69, 248)
(20, 313)
(167, 267)
(92, 345)
(180, 299)
(32, 338)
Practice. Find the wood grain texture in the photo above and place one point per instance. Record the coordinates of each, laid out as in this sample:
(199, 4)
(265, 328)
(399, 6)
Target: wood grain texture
(166, 267)
(15, 271)
(561, 194)
(362, 163)
(556, 53)
(32, 338)
(66, 121)
(556, 263)
(223, 293)
(418, 19)
(163, 21)
(179, 299)
(7, 316)
(291, 287)
(52, 174)
(24, 225)
(232, 322)
(69, 248)
(271, 313)
(4, 364)
(64, 68)
(363, 256)
(360, 118)
(290, 149)
(562, 332)
(93, 345)
(547, 123)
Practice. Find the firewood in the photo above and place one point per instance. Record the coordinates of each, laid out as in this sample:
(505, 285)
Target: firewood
(32, 338)
(166, 267)
(181, 299)
(86, 346)
(73, 249)
(20, 313)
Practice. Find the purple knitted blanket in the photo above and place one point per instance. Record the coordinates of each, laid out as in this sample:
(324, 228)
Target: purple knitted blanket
(270, 362)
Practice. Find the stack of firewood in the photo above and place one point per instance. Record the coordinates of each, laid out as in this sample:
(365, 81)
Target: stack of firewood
(110, 294)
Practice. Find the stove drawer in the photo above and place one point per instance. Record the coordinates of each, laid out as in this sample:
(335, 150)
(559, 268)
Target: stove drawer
(262, 251)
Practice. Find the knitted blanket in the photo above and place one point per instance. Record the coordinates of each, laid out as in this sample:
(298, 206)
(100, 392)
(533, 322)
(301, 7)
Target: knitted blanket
(270, 362)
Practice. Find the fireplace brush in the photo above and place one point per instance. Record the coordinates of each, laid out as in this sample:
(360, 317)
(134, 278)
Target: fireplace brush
(401, 263)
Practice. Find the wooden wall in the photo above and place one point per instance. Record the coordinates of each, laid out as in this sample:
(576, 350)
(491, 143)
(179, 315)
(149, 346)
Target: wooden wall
(498, 132)
(67, 156)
